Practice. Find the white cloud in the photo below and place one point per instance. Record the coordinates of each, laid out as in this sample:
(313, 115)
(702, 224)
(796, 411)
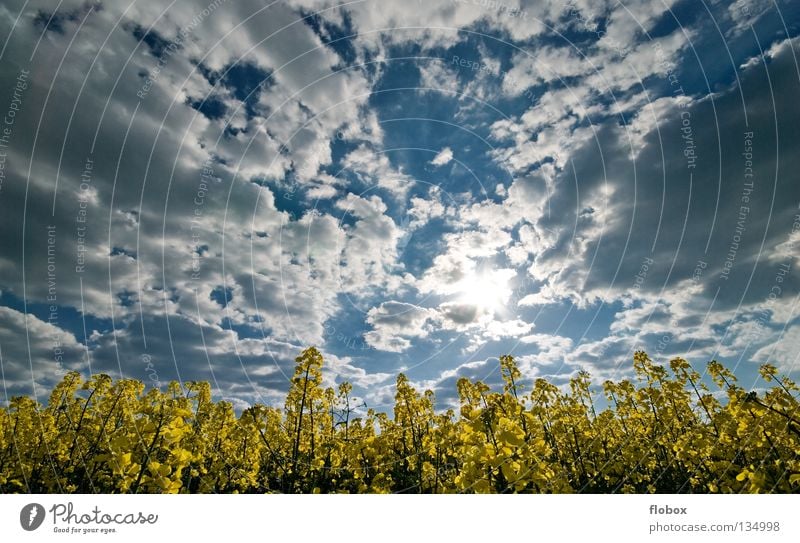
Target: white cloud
(374, 168)
(783, 352)
(496, 330)
(745, 13)
(393, 323)
(423, 210)
(35, 353)
(443, 157)
(437, 76)
(369, 256)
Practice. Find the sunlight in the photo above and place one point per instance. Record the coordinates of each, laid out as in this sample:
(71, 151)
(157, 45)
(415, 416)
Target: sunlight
(489, 291)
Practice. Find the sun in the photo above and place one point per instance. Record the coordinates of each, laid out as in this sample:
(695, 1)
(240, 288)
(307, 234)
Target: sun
(487, 290)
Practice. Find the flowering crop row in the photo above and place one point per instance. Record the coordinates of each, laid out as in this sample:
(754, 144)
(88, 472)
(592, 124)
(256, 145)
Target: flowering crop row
(663, 431)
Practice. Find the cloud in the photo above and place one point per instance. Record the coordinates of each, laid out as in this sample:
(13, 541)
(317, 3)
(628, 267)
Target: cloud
(551, 349)
(460, 314)
(263, 163)
(393, 323)
(35, 354)
(496, 330)
(168, 224)
(426, 209)
(603, 235)
(745, 13)
(443, 157)
(374, 169)
(782, 352)
(369, 256)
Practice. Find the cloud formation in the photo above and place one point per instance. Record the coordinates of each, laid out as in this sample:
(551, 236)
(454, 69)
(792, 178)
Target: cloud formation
(207, 189)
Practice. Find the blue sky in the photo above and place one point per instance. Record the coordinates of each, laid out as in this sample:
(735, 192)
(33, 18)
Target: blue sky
(199, 193)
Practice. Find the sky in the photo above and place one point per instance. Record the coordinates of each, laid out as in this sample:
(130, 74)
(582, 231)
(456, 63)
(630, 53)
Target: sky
(200, 190)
